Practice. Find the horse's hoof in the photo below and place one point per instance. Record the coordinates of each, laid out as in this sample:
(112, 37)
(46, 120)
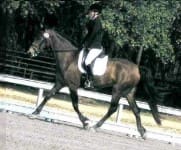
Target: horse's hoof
(87, 125)
(92, 129)
(130, 135)
(142, 132)
(34, 115)
(144, 136)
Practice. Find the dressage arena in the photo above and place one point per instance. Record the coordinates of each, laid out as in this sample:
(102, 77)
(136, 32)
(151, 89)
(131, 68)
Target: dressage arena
(19, 132)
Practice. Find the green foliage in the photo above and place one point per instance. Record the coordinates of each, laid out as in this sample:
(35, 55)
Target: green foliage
(176, 34)
(152, 26)
(144, 25)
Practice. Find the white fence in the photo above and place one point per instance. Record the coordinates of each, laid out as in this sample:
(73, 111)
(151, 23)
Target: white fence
(41, 86)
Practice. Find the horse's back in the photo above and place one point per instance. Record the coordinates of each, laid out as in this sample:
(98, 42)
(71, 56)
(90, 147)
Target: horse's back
(123, 62)
(124, 70)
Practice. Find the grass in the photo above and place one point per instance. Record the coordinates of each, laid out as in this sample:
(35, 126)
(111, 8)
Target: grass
(91, 109)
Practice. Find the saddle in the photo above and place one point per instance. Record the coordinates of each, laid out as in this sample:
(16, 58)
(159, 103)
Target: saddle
(98, 66)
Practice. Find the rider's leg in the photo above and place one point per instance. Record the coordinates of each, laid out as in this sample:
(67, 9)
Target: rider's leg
(91, 56)
(89, 81)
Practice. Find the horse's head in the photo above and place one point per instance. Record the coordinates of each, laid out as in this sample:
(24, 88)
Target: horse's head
(42, 42)
(50, 39)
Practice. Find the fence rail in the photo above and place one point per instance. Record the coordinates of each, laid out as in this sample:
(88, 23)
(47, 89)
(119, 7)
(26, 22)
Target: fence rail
(42, 86)
(18, 63)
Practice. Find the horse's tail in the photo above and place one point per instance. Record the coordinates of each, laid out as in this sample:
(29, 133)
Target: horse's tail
(147, 79)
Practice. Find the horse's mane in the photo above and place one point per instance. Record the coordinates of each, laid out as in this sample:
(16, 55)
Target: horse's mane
(64, 44)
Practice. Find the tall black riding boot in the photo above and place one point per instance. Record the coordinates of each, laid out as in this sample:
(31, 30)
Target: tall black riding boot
(89, 81)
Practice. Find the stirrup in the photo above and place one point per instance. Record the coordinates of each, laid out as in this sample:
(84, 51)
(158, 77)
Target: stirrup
(88, 84)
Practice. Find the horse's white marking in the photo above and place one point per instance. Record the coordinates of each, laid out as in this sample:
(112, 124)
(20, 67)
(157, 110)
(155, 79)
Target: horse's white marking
(89, 122)
(46, 35)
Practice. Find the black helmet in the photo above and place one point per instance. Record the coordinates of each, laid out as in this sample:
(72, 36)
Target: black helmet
(95, 7)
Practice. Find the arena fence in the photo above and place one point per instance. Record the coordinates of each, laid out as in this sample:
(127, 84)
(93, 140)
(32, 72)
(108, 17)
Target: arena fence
(18, 63)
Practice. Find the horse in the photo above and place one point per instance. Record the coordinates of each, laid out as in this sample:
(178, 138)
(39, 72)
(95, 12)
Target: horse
(121, 75)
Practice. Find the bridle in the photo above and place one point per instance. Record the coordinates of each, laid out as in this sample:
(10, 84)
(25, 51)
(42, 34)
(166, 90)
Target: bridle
(37, 47)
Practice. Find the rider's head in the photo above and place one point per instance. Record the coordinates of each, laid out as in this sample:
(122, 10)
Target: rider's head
(94, 11)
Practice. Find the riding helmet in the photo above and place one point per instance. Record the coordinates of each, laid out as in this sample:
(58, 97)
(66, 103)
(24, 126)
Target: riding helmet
(95, 7)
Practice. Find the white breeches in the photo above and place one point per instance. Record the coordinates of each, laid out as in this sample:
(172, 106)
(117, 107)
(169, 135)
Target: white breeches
(92, 54)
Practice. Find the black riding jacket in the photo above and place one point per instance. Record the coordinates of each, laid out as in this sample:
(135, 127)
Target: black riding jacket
(93, 38)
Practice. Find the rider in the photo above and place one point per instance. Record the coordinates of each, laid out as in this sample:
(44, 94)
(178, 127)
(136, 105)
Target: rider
(93, 40)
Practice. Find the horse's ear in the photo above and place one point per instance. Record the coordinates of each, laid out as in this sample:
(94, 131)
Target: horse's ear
(41, 32)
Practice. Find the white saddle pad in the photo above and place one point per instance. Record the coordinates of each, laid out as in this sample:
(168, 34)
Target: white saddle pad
(99, 67)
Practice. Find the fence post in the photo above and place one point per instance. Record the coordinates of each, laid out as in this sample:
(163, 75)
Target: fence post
(39, 97)
(119, 113)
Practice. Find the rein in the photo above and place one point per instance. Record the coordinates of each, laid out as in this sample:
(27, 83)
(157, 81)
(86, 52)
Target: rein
(64, 50)
(46, 36)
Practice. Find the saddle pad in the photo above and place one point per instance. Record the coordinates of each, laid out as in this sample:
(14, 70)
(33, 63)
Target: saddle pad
(99, 65)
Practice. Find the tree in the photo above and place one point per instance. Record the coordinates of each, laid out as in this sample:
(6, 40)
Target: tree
(144, 26)
(138, 25)
(176, 41)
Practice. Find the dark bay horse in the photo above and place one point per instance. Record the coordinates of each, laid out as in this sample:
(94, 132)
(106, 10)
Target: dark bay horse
(121, 74)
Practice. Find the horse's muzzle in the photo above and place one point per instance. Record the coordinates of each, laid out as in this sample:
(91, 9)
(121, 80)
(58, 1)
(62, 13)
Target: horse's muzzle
(31, 52)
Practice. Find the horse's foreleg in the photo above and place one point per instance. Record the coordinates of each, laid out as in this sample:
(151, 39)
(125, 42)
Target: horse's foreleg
(136, 111)
(52, 92)
(83, 119)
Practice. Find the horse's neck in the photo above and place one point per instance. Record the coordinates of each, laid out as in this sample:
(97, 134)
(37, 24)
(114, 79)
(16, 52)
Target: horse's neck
(60, 45)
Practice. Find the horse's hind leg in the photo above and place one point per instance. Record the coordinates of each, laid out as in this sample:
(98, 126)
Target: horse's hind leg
(113, 107)
(46, 98)
(136, 111)
(83, 119)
